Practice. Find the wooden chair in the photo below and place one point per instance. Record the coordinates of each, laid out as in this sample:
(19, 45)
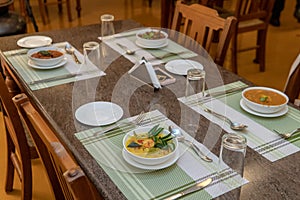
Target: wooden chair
(18, 150)
(251, 15)
(43, 8)
(292, 86)
(200, 23)
(67, 178)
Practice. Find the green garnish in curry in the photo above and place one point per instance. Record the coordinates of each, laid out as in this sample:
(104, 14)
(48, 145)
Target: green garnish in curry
(45, 53)
(263, 98)
(153, 139)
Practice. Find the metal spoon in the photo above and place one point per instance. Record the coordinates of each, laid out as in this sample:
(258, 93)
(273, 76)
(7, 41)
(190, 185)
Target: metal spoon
(177, 133)
(233, 125)
(127, 51)
(70, 50)
(288, 135)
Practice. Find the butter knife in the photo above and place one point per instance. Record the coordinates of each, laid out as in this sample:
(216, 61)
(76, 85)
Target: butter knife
(194, 188)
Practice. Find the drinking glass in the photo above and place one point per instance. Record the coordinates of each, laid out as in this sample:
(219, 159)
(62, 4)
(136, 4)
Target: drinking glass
(91, 52)
(233, 151)
(107, 26)
(195, 82)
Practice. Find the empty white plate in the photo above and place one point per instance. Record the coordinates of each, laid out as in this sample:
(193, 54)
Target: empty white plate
(34, 41)
(180, 67)
(99, 113)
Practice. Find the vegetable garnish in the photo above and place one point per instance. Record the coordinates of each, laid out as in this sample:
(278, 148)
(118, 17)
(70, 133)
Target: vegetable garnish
(45, 53)
(263, 98)
(153, 139)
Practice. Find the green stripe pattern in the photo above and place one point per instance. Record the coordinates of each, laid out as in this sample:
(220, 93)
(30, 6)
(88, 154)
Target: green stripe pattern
(143, 184)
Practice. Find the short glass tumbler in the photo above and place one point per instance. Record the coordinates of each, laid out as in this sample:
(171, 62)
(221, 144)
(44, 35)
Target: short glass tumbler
(233, 151)
(107, 26)
(91, 52)
(195, 82)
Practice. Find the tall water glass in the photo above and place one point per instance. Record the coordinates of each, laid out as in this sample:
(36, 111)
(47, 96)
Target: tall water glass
(233, 151)
(195, 82)
(107, 26)
(91, 52)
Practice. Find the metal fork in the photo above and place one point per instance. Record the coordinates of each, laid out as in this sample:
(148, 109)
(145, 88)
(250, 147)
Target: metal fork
(134, 122)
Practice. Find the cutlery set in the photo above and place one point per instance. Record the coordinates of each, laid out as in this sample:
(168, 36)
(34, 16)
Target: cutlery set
(194, 188)
(287, 135)
(65, 76)
(140, 120)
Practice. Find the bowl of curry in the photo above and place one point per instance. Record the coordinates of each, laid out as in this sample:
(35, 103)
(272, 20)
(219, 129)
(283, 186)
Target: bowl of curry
(150, 145)
(264, 99)
(46, 56)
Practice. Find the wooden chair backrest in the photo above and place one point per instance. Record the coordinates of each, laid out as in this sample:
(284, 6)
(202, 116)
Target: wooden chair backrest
(18, 149)
(67, 178)
(201, 23)
(292, 87)
(253, 9)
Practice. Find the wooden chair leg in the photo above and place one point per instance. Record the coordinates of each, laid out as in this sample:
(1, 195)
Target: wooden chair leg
(26, 182)
(42, 11)
(10, 170)
(78, 8)
(59, 5)
(234, 54)
(261, 51)
(68, 3)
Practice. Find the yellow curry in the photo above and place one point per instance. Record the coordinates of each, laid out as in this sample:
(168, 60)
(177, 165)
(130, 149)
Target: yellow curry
(153, 144)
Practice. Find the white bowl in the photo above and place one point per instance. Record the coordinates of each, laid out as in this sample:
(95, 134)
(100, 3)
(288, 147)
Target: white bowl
(146, 160)
(45, 61)
(261, 108)
(151, 42)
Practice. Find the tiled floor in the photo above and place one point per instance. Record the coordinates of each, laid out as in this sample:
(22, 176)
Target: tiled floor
(283, 44)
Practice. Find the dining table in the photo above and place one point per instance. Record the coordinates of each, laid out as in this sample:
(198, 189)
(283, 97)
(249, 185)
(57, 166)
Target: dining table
(272, 163)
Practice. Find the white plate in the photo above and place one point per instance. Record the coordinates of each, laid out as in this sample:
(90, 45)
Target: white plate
(276, 114)
(34, 41)
(181, 67)
(166, 164)
(151, 47)
(60, 64)
(99, 113)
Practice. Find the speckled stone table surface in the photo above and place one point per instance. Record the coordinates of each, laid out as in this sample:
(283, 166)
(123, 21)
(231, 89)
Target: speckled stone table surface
(267, 180)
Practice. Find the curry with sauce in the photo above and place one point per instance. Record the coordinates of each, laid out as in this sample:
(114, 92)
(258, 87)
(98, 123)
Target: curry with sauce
(265, 97)
(152, 144)
(47, 54)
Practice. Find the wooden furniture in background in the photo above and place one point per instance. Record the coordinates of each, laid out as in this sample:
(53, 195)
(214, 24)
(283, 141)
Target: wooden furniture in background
(43, 8)
(67, 178)
(18, 150)
(201, 23)
(25, 9)
(252, 15)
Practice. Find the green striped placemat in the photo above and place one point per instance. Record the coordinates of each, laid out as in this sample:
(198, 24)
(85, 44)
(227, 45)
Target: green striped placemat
(19, 60)
(260, 134)
(144, 184)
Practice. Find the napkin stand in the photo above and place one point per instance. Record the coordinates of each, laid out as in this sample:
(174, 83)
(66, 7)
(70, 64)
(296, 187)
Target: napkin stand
(145, 72)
